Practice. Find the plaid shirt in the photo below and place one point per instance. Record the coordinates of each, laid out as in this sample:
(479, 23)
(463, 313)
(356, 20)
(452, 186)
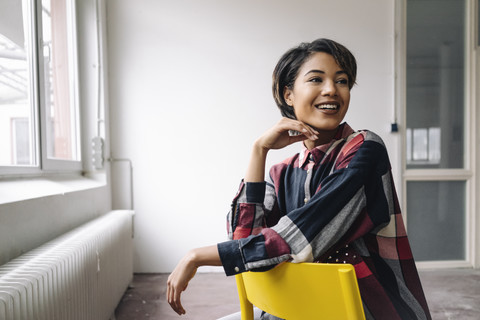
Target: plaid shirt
(335, 203)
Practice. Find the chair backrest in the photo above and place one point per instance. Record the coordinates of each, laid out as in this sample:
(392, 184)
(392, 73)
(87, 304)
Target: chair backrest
(299, 291)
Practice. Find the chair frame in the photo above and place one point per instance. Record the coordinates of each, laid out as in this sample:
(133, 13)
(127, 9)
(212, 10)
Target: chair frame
(299, 291)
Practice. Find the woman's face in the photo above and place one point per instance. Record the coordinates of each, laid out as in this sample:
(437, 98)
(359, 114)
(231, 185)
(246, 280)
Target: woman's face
(320, 94)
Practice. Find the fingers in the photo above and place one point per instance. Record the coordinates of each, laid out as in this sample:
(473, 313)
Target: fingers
(298, 129)
(304, 129)
(298, 138)
(178, 281)
(278, 137)
(173, 296)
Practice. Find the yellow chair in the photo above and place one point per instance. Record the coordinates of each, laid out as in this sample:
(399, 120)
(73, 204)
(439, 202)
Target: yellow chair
(301, 291)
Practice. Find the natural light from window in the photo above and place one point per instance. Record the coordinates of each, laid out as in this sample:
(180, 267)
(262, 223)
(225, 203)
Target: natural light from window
(60, 74)
(16, 111)
(38, 100)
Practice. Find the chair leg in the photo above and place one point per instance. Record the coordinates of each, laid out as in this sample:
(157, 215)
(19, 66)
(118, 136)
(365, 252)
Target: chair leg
(246, 308)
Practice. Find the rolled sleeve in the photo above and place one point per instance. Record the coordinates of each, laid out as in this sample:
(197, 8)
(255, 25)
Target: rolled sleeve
(255, 192)
(231, 257)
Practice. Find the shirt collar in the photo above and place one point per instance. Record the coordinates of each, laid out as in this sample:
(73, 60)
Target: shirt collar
(317, 153)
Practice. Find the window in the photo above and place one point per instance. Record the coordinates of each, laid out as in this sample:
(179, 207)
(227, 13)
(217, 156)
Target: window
(423, 146)
(39, 120)
(15, 81)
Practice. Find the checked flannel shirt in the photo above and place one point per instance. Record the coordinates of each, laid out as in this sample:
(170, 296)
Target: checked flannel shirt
(335, 203)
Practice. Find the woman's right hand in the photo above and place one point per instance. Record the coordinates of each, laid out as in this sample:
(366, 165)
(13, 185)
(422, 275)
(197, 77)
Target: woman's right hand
(278, 136)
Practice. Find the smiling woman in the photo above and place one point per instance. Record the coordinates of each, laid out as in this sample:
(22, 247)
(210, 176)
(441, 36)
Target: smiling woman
(320, 97)
(334, 202)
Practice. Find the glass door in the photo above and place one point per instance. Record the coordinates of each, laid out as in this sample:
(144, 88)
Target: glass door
(437, 174)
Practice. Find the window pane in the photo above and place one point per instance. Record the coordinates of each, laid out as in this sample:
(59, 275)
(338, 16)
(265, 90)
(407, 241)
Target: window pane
(60, 79)
(21, 152)
(435, 83)
(16, 111)
(436, 219)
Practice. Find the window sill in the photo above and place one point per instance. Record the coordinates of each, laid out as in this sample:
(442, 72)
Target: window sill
(15, 190)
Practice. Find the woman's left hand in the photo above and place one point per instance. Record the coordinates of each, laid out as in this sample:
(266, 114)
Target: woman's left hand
(178, 281)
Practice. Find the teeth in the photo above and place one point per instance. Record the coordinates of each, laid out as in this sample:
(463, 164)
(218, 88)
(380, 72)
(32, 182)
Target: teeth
(327, 106)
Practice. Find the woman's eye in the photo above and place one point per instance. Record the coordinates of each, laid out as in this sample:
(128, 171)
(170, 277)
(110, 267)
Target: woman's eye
(316, 79)
(342, 81)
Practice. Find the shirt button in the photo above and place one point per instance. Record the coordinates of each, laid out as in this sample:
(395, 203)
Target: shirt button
(237, 269)
(305, 200)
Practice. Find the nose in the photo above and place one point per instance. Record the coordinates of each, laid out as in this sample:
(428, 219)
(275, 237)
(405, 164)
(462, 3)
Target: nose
(329, 88)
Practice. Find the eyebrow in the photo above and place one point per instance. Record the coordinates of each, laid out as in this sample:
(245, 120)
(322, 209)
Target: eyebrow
(323, 72)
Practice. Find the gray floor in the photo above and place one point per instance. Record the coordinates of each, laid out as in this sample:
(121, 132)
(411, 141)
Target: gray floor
(451, 294)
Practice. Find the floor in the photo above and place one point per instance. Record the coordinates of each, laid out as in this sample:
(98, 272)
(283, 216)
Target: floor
(451, 294)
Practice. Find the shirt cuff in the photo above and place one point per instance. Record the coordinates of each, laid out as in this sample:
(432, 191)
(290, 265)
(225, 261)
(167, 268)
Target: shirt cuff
(255, 192)
(231, 257)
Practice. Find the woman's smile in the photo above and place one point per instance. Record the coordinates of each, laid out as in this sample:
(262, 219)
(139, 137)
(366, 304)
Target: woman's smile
(328, 107)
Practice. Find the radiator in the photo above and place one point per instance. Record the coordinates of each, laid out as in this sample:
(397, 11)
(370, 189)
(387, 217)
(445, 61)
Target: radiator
(79, 275)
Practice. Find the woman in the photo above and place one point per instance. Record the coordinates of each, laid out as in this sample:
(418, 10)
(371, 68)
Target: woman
(334, 202)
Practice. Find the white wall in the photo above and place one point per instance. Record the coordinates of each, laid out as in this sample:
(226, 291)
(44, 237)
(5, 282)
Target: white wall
(190, 91)
(28, 224)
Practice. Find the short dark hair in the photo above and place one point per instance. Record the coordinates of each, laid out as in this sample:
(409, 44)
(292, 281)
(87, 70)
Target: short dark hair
(286, 70)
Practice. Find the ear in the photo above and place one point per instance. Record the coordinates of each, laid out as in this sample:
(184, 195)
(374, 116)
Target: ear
(288, 96)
